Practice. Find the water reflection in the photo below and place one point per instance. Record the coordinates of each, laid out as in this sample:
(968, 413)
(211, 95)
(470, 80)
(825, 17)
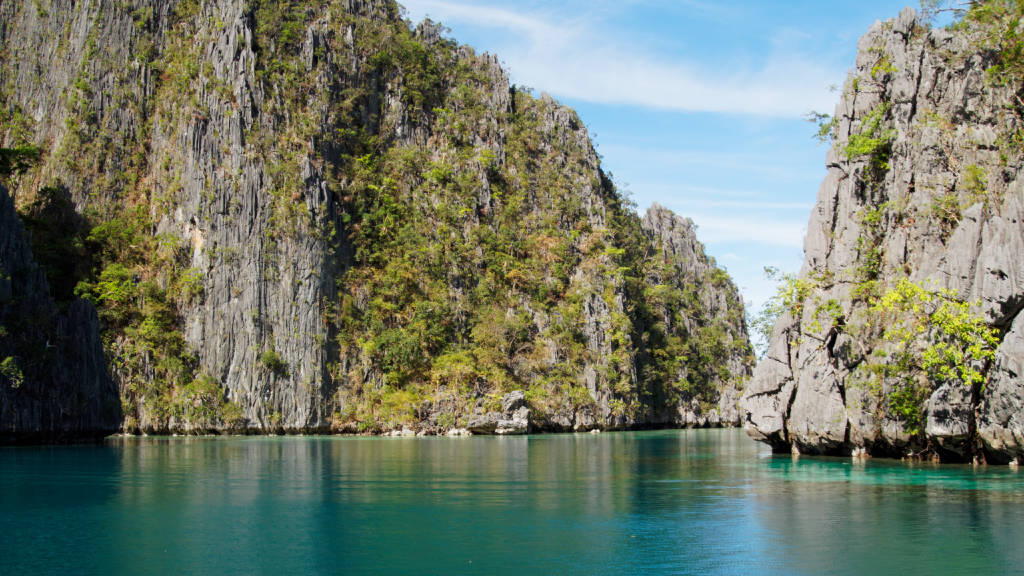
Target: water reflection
(707, 502)
(880, 516)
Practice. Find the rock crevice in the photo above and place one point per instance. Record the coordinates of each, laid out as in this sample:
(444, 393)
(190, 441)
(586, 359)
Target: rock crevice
(319, 218)
(924, 188)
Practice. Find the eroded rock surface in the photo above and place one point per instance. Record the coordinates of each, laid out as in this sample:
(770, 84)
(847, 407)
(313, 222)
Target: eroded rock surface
(514, 417)
(923, 185)
(318, 219)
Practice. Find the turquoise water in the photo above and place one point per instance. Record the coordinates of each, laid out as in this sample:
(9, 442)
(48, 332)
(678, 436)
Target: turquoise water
(668, 502)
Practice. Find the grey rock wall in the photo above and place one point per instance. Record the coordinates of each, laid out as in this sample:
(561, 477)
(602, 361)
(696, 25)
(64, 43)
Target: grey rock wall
(916, 213)
(177, 106)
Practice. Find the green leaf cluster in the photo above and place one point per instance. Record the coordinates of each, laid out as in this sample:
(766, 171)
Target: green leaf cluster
(935, 339)
(791, 294)
(18, 159)
(873, 140)
(958, 343)
(825, 126)
(10, 370)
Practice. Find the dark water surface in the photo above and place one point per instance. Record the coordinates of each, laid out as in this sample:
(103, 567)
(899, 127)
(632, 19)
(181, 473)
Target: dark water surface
(669, 502)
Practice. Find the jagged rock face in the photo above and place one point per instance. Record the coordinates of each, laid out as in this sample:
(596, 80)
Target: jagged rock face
(923, 184)
(319, 220)
(54, 383)
(718, 306)
(513, 419)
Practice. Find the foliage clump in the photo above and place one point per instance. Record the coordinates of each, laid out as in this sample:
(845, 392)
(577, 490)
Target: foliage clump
(10, 369)
(825, 126)
(873, 140)
(274, 362)
(934, 338)
(791, 294)
(945, 340)
(18, 159)
(475, 248)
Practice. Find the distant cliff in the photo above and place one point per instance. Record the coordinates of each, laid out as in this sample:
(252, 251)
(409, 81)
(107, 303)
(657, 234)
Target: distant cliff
(305, 216)
(902, 334)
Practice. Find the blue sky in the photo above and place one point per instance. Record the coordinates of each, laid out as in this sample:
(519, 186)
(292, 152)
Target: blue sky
(694, 104)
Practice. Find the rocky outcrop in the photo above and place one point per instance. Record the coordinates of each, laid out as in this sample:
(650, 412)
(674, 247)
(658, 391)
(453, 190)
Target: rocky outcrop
(717, 318)
(317, 218)
(54, 383)
(1000, 422)
(514, 417)
(921, 207)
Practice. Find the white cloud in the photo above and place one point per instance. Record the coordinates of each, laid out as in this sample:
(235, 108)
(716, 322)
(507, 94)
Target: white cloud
(485, 16)
(574, 59)
(749, 229)
(770, 165)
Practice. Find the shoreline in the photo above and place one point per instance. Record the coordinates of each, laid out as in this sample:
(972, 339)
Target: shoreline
(70, 439)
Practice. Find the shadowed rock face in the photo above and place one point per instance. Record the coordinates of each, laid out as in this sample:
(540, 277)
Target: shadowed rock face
(308, 191)
(54, 383)
(938, 201)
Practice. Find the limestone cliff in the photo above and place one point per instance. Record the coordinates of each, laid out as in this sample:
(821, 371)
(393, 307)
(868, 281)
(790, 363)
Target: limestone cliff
(902, 334)
(307, 216)
(713, 321)
(54, 383)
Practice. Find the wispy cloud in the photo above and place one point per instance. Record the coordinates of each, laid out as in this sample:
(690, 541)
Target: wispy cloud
(536, 29)
(764, 164)
(576, 58)
(749, 229)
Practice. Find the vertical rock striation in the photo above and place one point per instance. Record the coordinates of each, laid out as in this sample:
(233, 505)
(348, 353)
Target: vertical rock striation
(920, 211)
(311, 217)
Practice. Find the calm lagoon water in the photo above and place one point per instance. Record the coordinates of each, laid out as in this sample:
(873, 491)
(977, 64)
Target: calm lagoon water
(667, 502)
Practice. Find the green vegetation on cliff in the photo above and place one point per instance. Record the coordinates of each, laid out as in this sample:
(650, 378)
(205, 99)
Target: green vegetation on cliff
(307, 215)
(902, 336)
